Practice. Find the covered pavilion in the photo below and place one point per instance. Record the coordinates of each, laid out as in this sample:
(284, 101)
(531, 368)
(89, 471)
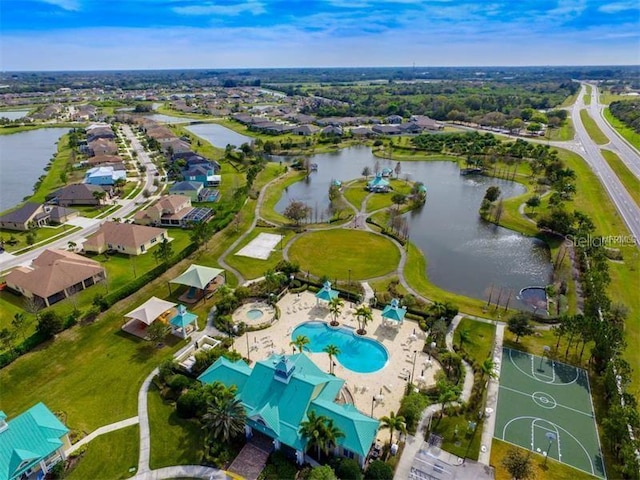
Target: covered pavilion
(201, 281)
(154, 309)
(183, 323)
(326, 293)
(394, 312)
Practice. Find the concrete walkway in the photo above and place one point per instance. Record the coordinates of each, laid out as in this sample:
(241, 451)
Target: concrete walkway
(489, 424)
(145, 436)
(183, 471)
(101, 431)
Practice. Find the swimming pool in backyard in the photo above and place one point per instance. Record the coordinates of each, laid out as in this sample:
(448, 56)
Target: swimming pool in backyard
(358, 354)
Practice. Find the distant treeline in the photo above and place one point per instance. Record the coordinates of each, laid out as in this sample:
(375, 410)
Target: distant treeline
(142, 79)
(628, 112)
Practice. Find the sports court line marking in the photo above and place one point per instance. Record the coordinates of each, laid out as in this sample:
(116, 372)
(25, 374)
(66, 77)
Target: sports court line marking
(533, 419)
(530, 395)
(534, 425)
(542, 381)
(537, 374)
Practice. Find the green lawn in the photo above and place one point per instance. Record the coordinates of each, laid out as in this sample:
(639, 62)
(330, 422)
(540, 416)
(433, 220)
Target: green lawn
(335, 252)
(274, 193)
(606, 97)
(109, 456)
(570, 100)
(40, 234)
(564, 132)
(482, 336)
(355, 193)
(592, 128)
(378, 201)
(628, 133)
(174, 441)
(456, 438)
(628, 179)
(553, 469)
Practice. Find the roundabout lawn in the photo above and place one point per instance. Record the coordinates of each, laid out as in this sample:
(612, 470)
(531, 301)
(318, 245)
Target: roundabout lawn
(335, 252)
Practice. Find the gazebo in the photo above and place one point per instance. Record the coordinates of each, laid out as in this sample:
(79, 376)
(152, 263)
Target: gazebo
(147, 313)
(199, 279)
(183, 323)
(378, 184)
(394, 311)
(326, 293)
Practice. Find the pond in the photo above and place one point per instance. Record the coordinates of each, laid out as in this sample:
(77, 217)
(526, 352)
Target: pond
(13, 114)
(23, 157)
(464, 254)
(218, 135)
(160, 117)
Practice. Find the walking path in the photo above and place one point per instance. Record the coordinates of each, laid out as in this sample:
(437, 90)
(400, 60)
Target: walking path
(489, 424)
(101, 431)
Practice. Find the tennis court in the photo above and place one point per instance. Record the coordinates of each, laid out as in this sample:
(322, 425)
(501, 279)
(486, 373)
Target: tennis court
(545, 406)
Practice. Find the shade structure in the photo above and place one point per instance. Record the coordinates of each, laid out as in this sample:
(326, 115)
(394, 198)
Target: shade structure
(394, 311)
(198, 276)
(326, 293)
(150, 310)
(183, 318)
(378, 181)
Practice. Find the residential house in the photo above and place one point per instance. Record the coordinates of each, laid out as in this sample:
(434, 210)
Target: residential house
(331, 130)
(426, 123)
(104, 175)
(280, 391)
(104, 159)
(305, 130)
(386, 129)
(361, 132)
(102, 146)
(80, 194)
(204, 173)
(410, 128)
(31, 443)
(32, 215)
(187, 188)
(394, 119)
(172, 211)
(55, 275)
(124, 238)
(97, 131)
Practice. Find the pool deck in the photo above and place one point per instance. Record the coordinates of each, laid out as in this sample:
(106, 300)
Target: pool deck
(390, 381)
(240, 315)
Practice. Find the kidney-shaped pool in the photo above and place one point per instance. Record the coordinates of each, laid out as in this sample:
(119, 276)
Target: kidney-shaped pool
(358, 354)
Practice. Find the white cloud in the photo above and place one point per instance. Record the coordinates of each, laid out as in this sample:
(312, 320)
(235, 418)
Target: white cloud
(253, 7)
(71, 5)
(617, 7)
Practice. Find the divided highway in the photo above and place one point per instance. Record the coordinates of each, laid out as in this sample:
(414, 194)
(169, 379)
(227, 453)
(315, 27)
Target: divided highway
(590, 151)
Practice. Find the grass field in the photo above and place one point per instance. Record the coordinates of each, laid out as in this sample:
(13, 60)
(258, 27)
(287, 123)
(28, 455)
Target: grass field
(335, 252)
(539, 397)
(174, 441)
(628, 133)
(592, 128)
(109, 456)
(552, 470)
(629, 180)
(565, 132)
(482, 334)
(253, 267)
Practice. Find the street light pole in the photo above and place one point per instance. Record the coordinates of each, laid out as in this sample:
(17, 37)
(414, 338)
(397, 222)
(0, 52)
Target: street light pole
(248, 351)
(413, 369)
(373, 401)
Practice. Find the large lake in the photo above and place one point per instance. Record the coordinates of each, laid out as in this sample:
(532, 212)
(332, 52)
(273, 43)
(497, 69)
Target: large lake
(23, 157)
(218, 135)
(464, 254)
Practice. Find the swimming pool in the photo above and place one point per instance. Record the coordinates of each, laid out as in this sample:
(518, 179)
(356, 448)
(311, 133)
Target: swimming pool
(254, 314)
(358, 354)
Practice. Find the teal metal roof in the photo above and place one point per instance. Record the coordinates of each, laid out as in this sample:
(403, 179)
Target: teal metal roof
(226, 372)
(378, 181)
(326, 293)
(30, 437)
(183, 318)
(277, 404)
(394, 311)
(359, 429)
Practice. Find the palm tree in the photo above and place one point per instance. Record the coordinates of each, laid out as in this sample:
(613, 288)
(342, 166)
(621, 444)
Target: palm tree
(301, 342)
(364, 316)
(447, 392)
(438, 309)
(320, 432)
(487, 371)
(335, 308)
(393, 423)
(332, 351)
(464, 336)
(225, 418)
(72, 245)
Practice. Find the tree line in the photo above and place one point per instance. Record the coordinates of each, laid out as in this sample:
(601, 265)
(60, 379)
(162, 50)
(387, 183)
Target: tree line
(628, 112)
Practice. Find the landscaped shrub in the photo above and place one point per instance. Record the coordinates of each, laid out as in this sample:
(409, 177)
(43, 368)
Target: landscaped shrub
(378, 470)
(348, 469)
(189, 404)
(411, 408)
(178, 382)
(49, 324)
(323, 472)
(279, 467)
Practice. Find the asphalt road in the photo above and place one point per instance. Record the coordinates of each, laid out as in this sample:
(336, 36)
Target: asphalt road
(8, 261)
(627, 153)
(590, 151)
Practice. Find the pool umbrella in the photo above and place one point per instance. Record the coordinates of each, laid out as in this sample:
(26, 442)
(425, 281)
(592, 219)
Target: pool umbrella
(394, 311)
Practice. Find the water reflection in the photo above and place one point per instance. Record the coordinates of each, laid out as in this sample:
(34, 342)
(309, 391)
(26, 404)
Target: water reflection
(218, 135)
(464, 254)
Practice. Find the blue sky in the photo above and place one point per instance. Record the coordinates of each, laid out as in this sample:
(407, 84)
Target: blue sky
(142, 34)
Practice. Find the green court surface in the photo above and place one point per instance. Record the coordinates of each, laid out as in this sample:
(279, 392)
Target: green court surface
(545, 406)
